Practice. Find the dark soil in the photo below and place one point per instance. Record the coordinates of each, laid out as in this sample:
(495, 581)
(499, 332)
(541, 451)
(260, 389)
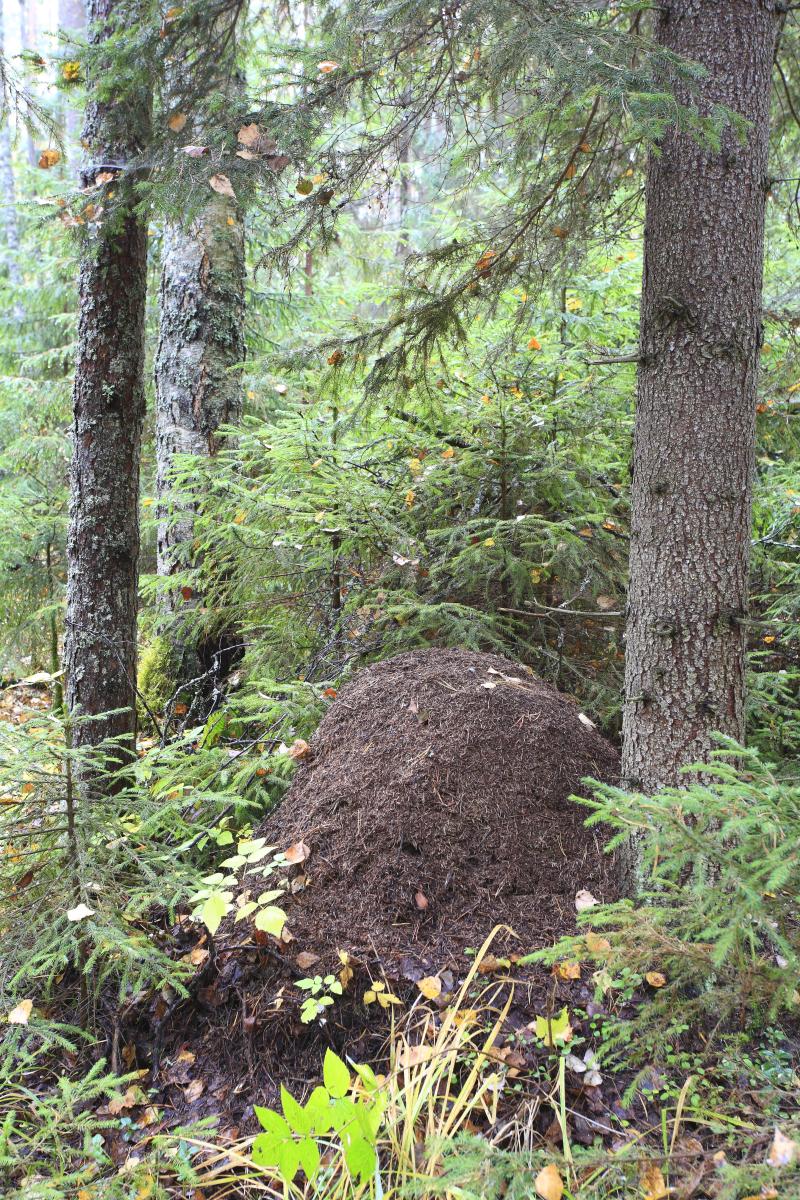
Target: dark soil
(436, 805)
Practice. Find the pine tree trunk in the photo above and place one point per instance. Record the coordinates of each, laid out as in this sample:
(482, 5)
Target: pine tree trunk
(201, 340)
(695, 419)
(108, 403)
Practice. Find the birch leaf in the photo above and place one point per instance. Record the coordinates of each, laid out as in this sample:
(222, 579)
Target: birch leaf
(222, 185)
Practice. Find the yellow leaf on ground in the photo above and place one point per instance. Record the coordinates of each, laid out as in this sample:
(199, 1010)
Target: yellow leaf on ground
(652, 1184)
(430, 986)
(655, 979)
(20, 1014)
(549, 1184)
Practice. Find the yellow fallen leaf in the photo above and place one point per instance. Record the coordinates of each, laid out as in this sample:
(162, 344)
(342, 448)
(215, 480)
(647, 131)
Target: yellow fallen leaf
(652, 1184)
(430, 986)
(548, 1183)
(20, 1014)
(596, 944)
(177, 122)
(568, 970)
(655, 979)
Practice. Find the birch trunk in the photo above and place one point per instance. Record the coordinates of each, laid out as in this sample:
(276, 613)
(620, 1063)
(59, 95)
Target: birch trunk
(108, 403)
(695, 421)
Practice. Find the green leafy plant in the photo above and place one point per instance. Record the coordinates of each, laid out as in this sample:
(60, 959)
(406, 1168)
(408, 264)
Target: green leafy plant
(331, 1117)
(322, 991)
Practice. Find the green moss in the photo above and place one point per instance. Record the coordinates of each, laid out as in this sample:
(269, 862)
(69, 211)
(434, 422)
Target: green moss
(158, 674)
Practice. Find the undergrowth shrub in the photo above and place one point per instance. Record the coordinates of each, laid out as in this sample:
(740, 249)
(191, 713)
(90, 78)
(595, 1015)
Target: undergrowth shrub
(714, 935)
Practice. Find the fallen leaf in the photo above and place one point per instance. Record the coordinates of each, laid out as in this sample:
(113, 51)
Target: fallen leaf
(49, 158)
(652, 1184)
(299, 749)
(655, 979)
(306, 959)
(584, 720)
(567, 970)
(20, 1014)
(548, 1183)
(783, 1151)
(584, 900)
(596, 944)
(421, 900)
(327, 66)
(177, 121)
(80, 913)
(222, 185)
(534, 344)
(430, 986)
(195, 151)
(296, 853)
(195, 1090)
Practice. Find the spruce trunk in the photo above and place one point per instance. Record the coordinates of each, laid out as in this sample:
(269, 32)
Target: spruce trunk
(198, 390)
(108, 404)
(694, 438)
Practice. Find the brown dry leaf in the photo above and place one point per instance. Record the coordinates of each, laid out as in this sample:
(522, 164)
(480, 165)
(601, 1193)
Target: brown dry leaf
(489, 964)
(247, 155)
(570, 171)
(222, 185)
(783, 1151)
(604, 602)
(596, 944)
(652, 1184)
(133, 1096)
(412, 1056)
(298, 851)
(185, 1056)
(177, 122)
(195, 1090)
(430, 986)
(567, 970)
(198, 956)
(655, 979)
(299, 749)
(48, 158)
(306, 959)
(421, 901)
(249, 135)
(548, 1183)
(20, 1014)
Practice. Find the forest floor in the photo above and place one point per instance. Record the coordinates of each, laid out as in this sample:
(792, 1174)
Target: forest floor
(432, 847)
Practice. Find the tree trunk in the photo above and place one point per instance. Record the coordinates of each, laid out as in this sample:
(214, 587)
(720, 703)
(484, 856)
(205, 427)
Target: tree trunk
(108, 402)
(201, 340)
(695, 419)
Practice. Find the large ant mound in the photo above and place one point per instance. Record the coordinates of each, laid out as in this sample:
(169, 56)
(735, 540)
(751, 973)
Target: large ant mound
(435, 801)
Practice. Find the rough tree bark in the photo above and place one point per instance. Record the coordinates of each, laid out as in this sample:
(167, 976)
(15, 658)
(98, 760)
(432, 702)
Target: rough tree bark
(201, 339)
(695, 419)
(108, 403)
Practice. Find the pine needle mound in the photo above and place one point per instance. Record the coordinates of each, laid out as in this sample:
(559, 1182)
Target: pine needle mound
(435, 803)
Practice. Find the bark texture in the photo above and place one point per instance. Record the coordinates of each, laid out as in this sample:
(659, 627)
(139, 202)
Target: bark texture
(695, 420)
(108, 403)
(198, 389)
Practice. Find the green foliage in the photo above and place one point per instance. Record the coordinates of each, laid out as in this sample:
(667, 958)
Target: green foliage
(322, 993)
(157, 675)
(714, 933)
(291, 1141)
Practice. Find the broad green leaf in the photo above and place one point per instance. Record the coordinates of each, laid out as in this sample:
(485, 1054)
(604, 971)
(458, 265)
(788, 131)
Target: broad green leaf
(214, 909)
(295, 1114)
(335, 1074)
(272, 1122)
(308, 1152)
(265, 1150)
(361, 1158)
(288, 1160)
(270, 920)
